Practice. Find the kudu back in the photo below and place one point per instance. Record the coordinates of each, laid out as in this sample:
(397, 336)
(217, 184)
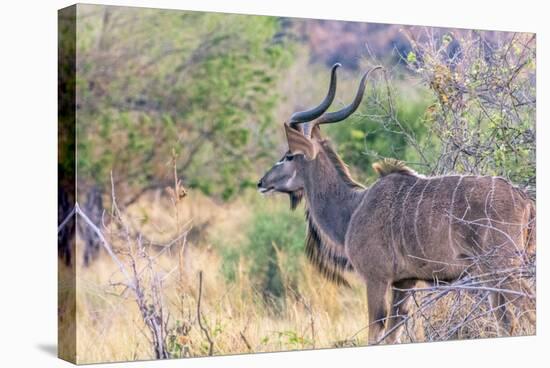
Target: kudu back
(404, 228)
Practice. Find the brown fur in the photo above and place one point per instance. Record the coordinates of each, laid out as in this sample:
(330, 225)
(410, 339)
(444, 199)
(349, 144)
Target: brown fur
(405, 228)
(409, 227)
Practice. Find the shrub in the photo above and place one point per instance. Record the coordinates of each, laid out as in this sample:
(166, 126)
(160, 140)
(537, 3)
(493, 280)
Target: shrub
(273, 248)
(483, 113)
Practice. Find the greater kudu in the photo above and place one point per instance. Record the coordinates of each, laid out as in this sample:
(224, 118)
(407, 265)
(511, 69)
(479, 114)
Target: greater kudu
(404, 228)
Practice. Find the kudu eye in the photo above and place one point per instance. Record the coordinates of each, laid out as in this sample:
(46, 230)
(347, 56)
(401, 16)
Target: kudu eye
(290, 157)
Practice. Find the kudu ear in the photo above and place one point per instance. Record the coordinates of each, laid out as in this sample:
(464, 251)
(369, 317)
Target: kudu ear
(316, 132)
(299, 143)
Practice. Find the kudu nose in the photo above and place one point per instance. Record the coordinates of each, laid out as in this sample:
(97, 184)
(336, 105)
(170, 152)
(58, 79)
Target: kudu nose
(259, 183)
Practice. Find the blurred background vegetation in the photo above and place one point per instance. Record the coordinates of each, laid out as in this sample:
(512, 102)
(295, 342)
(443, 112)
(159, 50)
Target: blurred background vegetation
(152, 82)
(211, 92)
(202, 97)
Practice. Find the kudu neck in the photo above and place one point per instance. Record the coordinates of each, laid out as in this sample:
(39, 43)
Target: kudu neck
(331, 194)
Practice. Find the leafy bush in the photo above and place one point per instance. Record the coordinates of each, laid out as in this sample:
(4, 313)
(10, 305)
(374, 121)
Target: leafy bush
(470, 109)
(202, 85)
(274, 246)
(483, 115)
(375, 132)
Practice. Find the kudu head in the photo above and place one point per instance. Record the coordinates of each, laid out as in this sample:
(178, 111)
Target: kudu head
(304, 142)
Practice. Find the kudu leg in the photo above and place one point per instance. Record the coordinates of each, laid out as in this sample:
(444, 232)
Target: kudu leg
(400, 309)
(506, 320)
(527, 306)
(378, 295)
(513, 311)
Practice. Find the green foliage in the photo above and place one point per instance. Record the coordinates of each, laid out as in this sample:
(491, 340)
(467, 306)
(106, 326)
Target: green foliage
(269, 233)
(66, 109)
(469, 107)
(178, 341)
(152, 81)
(372, 133)
(483, 116)
(293, 339)
(274, 246)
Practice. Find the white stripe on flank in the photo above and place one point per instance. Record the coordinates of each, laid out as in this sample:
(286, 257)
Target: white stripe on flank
(492, 190)
(467, 198)
(403, 212)
(489, 201)
(421, 246)
(512, 194)
(451, 210)
(392, 215)
(433, 201)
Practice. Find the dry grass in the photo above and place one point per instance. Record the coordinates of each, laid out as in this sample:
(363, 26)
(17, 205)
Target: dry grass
(110, 328)
(235, 315)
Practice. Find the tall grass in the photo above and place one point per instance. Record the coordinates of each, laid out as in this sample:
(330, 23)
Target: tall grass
(270, 300)
(258, 292)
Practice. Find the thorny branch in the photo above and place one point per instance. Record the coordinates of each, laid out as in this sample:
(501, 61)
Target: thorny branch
(149, 298)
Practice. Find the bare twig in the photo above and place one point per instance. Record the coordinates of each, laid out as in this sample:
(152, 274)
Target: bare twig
(199, 319)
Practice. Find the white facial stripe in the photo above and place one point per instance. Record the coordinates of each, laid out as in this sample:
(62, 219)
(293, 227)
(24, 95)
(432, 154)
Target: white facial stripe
(279, 163)
(292, 177)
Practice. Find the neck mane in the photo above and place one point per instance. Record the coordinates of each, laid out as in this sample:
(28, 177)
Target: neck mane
(332, 196)
(340, 166)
